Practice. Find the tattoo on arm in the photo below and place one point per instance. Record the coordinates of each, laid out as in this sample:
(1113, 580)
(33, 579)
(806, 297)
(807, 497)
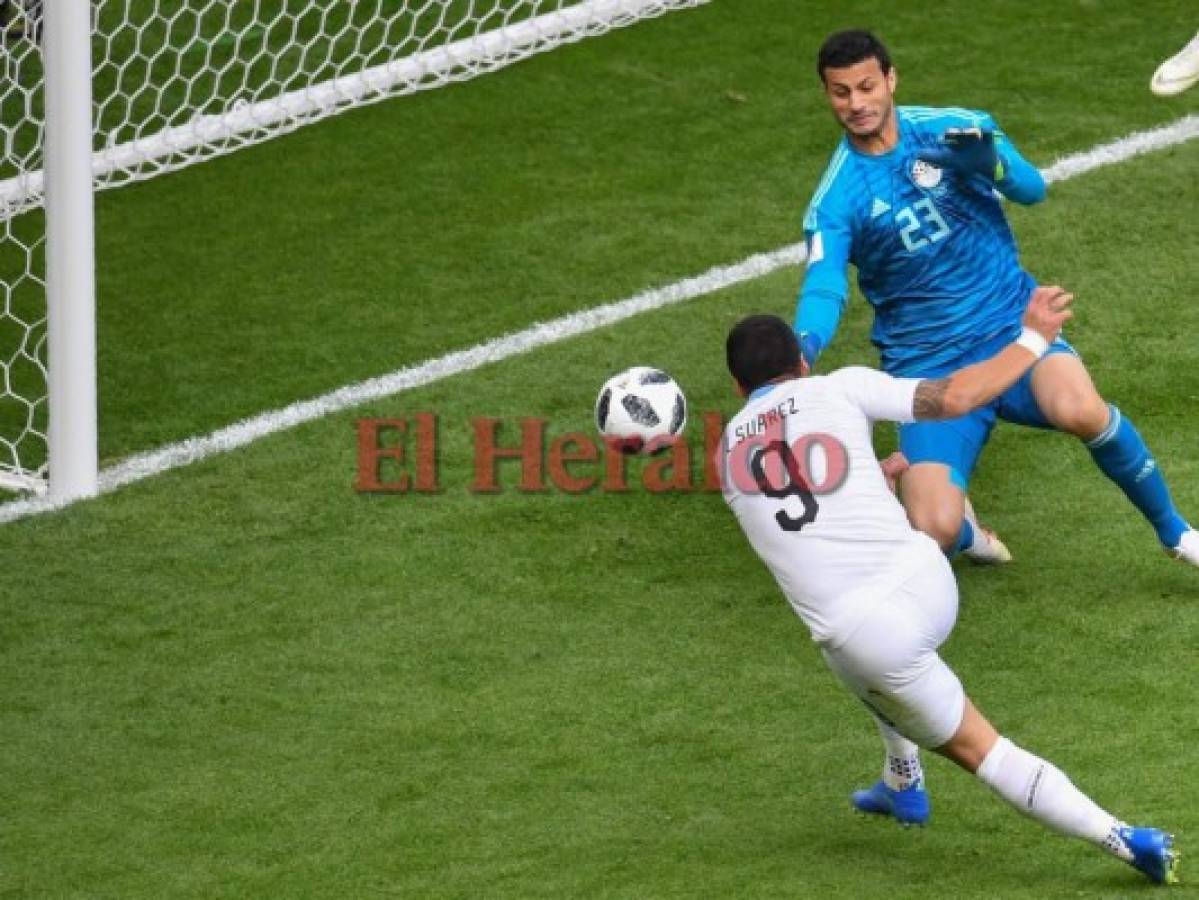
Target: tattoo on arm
(929, 402)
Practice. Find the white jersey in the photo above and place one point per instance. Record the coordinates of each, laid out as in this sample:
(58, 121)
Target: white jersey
(800, 473)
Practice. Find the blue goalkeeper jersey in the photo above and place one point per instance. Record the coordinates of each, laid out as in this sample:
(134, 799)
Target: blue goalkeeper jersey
(933, 251)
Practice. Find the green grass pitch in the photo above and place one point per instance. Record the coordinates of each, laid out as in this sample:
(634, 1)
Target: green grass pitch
(243, 679)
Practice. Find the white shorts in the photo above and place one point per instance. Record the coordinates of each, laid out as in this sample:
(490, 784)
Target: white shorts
(890, 659)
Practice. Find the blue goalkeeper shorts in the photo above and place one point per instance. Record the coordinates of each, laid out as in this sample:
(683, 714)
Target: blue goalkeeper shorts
(958, 442)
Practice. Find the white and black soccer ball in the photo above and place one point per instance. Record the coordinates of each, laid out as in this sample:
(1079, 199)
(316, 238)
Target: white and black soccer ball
(641, 409)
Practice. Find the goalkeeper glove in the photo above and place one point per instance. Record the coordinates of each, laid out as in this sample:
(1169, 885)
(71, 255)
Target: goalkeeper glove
(970, 151)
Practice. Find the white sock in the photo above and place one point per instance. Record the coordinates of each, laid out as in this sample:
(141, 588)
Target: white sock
(901, 761)
(1040, 789)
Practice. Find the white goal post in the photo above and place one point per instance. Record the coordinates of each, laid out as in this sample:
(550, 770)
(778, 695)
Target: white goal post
(101, 93)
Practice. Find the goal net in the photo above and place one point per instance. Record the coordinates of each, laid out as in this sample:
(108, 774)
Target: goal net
(176, 82)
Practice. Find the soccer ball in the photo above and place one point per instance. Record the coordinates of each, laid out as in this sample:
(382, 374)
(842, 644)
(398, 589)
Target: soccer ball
(640, 410)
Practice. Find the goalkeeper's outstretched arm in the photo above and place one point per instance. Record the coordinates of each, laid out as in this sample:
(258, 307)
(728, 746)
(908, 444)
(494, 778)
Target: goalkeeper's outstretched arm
(1020, 181)
(825, 289)
(985, 152)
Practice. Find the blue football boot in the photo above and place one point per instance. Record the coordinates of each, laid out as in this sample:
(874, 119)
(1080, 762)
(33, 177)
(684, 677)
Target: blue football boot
(1153, 853)
(909, 806)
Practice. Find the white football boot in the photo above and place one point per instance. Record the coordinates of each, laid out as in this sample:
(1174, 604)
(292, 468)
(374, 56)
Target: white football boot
(1188, 547)
(987, 549)
(1178, 72)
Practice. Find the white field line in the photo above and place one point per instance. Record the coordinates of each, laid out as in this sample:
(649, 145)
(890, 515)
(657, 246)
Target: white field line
(195, 449)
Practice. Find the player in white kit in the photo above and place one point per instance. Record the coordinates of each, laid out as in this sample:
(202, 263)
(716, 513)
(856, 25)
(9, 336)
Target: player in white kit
(879, 597)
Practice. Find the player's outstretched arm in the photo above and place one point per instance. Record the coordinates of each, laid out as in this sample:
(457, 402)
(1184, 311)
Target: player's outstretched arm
(987, 153)
(971, 387)
(1020, 181)
(821, 304)
(825, 288)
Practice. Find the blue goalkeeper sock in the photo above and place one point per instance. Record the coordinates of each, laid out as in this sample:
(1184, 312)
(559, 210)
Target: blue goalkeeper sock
(1122, 456)
(965, 538)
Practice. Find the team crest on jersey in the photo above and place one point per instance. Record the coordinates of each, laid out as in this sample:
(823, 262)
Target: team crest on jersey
(925, 175)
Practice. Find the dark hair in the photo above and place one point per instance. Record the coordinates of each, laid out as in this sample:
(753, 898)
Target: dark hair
(760, 348)
(846, 48)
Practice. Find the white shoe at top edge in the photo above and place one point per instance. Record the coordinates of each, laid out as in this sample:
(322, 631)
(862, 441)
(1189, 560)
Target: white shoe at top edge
(1178, 72)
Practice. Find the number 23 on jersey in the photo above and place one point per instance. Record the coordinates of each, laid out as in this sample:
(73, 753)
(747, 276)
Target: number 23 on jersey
(921, 224)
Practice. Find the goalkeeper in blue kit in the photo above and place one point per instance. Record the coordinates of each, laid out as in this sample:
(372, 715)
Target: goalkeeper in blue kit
(911, 197)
